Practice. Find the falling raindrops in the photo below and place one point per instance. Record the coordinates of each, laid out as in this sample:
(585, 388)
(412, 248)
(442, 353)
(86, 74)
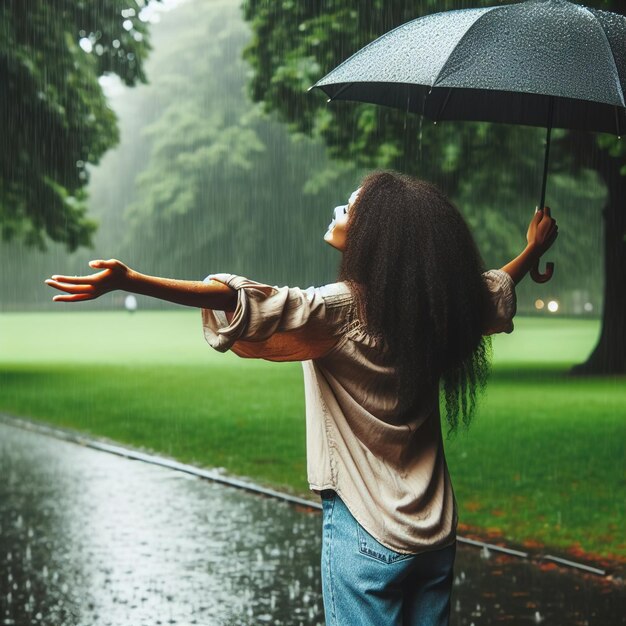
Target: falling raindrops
(76, 557)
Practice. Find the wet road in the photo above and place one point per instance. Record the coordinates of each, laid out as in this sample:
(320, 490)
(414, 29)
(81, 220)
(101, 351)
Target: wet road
(91, 539)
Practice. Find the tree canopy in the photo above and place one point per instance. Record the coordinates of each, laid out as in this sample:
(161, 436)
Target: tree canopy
(296, 42)
(54, 117)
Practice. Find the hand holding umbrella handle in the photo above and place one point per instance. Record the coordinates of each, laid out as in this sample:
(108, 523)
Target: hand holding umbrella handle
(537, 276)
(542, 232)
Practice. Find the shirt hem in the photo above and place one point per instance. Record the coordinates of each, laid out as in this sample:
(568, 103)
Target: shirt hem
(448, 541)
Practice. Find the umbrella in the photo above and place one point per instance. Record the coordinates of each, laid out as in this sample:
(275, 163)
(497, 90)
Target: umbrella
(547, 63)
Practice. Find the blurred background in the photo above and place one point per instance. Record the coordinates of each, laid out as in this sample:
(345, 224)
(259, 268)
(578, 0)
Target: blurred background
(186, 175)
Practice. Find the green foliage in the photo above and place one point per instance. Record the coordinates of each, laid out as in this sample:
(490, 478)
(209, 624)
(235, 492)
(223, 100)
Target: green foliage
(54, 117)
(224, 188)
(202, 180)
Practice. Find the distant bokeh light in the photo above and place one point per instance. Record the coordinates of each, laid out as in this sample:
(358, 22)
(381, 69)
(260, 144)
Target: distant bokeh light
(130, 303)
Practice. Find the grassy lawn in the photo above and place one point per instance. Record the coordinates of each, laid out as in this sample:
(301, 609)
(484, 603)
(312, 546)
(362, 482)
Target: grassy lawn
(544, 461)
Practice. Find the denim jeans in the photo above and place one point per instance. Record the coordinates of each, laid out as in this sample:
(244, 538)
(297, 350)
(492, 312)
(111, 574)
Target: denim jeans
(366, 584)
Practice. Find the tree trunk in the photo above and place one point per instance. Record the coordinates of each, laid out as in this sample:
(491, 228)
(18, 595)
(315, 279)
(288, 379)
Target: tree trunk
(609, 355)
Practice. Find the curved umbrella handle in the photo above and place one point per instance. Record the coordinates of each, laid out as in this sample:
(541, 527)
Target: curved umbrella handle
(537, 276)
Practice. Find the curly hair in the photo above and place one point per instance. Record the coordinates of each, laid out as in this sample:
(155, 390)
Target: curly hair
(415, 269)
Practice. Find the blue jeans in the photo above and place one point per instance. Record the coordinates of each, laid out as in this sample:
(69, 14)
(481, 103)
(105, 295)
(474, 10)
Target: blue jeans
(366, 584)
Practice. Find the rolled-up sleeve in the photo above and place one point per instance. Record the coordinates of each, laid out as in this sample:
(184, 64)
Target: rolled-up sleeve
(275, 323)
(504, 302)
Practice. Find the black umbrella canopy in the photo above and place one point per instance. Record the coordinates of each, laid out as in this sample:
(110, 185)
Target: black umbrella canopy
(497, 64)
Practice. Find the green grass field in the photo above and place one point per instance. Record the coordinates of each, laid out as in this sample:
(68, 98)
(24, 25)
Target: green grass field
(544, 462)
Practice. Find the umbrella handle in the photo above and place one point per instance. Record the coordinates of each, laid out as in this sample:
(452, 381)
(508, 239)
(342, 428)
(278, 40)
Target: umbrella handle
(537, 276)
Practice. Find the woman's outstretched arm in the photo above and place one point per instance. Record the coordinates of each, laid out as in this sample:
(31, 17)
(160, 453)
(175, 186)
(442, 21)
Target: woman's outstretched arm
(542, 232)
(116, 275)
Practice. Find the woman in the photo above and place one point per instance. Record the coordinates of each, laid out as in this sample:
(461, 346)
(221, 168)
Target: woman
(412, 308)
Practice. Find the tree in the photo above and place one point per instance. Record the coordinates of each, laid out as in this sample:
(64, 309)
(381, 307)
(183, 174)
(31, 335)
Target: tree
(222, 186)
(53, 114)
(297, 42)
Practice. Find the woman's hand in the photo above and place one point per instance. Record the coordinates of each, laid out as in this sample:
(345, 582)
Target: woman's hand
(542, 231)
(114, 275)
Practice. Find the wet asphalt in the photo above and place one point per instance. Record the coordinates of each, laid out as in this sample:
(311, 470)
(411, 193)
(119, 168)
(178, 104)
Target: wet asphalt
(88, 538)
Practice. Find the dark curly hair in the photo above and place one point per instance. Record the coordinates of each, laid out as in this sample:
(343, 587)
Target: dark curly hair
(415, 269)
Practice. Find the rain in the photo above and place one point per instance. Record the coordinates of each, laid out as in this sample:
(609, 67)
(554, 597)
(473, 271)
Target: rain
(181, 137)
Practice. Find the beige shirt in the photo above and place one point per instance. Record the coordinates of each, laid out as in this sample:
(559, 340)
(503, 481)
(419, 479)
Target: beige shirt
(392, 476)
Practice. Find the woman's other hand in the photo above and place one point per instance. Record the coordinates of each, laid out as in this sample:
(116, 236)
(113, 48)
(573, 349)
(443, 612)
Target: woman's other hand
(542, 231)
(114, 275)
